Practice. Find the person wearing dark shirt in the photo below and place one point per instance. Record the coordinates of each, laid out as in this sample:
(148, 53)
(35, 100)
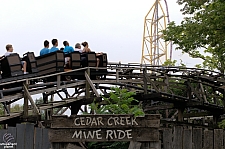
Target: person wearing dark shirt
(45, 50)
(55, 45)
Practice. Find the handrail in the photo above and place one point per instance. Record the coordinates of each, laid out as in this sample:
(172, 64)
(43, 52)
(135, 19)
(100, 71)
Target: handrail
(112, 65)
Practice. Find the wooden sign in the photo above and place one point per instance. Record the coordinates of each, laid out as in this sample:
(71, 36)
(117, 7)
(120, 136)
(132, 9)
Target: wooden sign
(104, 128)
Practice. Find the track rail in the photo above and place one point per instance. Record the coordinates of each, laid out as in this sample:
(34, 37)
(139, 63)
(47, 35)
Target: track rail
(185, 88)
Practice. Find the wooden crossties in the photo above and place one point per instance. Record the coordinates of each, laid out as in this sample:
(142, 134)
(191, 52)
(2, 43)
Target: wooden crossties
(88, 128)
(177, 91)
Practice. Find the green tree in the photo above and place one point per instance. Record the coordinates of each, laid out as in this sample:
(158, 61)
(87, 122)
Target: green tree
(42, 112)
(201, 32)
(120, 101)
(16, 108)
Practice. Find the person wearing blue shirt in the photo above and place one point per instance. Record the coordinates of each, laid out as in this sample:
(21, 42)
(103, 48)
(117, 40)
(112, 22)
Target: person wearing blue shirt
(68, 49)
(55, 44)
(45, 50)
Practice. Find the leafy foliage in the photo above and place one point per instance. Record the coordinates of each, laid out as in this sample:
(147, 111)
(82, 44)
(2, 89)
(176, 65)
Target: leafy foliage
(16, 108)
(222, 124)
(201, 33)
(120, 101)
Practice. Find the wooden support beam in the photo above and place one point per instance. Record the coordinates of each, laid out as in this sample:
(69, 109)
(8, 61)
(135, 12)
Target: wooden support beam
(58, 81)
(159, 107)
(194, 91)
(91, 84)
(59, 95)
(87, 91)
(203, 91)
(199, 114)
(57, 111)
(117, 75)
(166, 81)
(145, 82)
(28, 97)
(64, 110)
(25, 104)
(180, 114)
(150, 81)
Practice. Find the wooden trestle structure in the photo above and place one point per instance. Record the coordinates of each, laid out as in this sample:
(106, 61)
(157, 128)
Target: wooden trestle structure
(177, 93)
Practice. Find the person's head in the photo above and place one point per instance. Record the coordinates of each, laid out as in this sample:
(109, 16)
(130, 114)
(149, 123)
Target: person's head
(78, 46)
(61, 49)
(65, 43)
(85, 44)
(46, 44)
(55, 42)
(9, 48)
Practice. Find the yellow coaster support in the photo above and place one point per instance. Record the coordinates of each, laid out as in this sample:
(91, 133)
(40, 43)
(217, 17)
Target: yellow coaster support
(155, 50)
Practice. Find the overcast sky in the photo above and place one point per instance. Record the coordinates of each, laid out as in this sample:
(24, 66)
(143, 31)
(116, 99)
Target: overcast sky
(111, 26)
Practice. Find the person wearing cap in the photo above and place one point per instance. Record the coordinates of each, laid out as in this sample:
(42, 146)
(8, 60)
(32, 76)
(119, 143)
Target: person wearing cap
(45, 50)
(78, 48)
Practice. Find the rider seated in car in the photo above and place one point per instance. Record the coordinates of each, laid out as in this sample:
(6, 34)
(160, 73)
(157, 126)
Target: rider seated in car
(9, 50)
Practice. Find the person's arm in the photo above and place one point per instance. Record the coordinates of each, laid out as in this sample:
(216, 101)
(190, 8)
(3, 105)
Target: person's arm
(1, 57)
(71, 49)
(84, 51)
(98, 54)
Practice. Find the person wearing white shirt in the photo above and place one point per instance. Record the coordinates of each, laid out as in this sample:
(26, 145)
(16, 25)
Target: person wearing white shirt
(78, 48)
(9, 49)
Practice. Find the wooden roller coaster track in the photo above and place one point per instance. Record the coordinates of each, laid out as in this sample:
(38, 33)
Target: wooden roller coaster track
(178, 93)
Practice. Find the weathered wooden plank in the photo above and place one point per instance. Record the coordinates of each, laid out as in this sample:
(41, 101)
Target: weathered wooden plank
(29, 136)
(197, 114)
(59, 145)
(84, 135)
(3, 139)
(38, 138)
(218, 139)
(134, 145)
(223, 139)
(12, 132)
(197, 138)
(73, 146)
(187, 139)
(159, 107)
(155, 144)
(167, 138)
(208, 139)
(45, 139)
(151, 145)
(20, 136)
(105, 121)
(178, 134)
